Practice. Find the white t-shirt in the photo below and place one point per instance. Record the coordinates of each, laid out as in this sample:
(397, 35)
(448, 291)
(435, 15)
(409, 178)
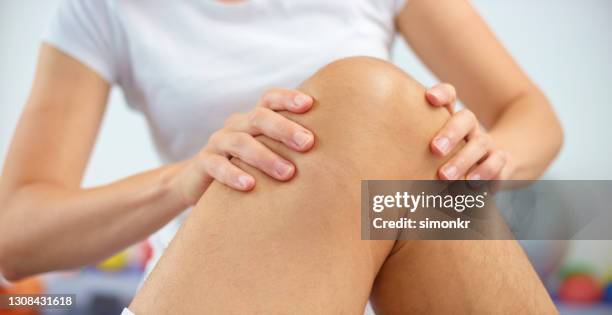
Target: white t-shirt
(188, 64)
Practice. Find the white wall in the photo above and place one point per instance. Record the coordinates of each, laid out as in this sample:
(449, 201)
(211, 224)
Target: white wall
(565, 46)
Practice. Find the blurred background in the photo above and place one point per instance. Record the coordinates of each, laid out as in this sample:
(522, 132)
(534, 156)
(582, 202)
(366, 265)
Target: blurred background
(564, 45)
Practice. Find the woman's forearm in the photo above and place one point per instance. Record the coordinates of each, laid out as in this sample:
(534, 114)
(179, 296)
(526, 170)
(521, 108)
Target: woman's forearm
(529, 131)
(47, 227)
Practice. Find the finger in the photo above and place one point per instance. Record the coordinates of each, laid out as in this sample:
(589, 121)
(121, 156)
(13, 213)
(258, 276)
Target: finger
(442, 94)
(275, 126)
(467, 157)
(225, 172)
(461, 125)
(283, 99)
(254, 153)
(489, 168)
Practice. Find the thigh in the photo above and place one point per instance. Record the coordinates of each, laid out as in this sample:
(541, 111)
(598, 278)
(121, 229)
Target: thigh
(459, 277)
(295, 247)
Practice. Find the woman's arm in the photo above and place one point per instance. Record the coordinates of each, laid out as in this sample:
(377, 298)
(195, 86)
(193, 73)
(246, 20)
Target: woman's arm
(455, 43)
(47, 221)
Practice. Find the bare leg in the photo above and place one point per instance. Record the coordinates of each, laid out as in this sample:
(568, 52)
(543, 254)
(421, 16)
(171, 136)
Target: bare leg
(295, 248)
(459, 277)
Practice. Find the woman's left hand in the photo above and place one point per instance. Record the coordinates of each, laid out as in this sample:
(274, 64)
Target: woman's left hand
(479, 159)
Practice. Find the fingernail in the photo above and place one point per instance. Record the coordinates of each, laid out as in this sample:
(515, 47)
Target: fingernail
(282, 168)
(450, 172)
(442, 144)
(302, 139)
(301, 100)
(245, 181)
(474, 177)
(437, 95)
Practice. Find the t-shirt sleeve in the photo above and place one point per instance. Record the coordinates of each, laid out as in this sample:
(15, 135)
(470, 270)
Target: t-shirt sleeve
(84, 30)
(399, 5)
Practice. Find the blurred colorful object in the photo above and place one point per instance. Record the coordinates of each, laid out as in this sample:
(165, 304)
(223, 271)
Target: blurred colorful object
(147, 253)
(115, 263)
(27, 286)
(580, 289)
(608, 276)
(577, 268)
(607, 295)
(134, 258)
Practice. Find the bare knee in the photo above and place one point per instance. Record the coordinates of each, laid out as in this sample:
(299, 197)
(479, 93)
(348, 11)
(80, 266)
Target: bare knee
(371, 121)
(371, 85)
(364, 107)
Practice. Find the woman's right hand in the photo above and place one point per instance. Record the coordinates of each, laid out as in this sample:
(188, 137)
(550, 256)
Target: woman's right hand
(237, 139)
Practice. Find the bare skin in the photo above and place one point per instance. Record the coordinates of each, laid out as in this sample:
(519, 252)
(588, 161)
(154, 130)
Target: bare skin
(498, 94)
(295, 248)
(54, 139)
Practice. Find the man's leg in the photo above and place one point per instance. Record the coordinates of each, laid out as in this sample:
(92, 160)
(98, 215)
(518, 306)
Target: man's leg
(295, 247)
(459, 277)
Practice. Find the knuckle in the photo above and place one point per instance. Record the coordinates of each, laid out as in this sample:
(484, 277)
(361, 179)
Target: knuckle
(265, 162)
(231, 120)
(455, 120)
(240, 139)
(221, 172)
(203, 156)
(489, 168)
(269, 94)
(209, 164)
(482, 141)
(456, 127)
(215, 138)
(466, 114)
(286, 128)
(460, 161)
(201, 163)
(453, 123)
(469, 115)
(454, 130)
(262, 158)
(255, 116)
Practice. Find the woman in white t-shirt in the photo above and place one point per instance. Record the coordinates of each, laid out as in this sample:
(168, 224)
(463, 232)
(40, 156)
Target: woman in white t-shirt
(188, 65)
